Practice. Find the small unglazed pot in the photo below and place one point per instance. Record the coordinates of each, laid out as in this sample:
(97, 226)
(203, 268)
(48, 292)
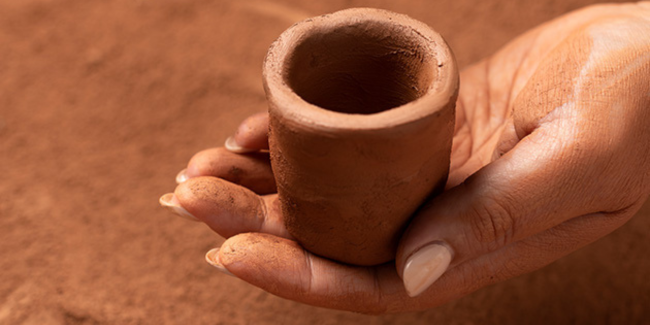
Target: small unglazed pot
(361, 106)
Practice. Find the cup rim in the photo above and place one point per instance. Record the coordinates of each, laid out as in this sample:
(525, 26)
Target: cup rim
(284, 102)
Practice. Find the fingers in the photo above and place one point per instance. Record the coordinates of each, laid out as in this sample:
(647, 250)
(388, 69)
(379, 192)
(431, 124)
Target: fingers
(525, 192)
(229, 209)
(251, 170)
(284, 268)
(252, 135)
(525, 256)
(219, 186)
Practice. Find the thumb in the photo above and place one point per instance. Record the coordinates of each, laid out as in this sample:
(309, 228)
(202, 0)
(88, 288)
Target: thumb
(537, 185)
(579, 158)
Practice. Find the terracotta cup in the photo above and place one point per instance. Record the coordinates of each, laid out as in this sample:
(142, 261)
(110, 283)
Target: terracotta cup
(361, 106)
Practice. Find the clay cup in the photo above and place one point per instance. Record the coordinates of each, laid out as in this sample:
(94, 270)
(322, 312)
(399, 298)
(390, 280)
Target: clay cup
(361, 106)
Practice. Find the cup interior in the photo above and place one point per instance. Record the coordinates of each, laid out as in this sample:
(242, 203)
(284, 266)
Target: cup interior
(362, 68)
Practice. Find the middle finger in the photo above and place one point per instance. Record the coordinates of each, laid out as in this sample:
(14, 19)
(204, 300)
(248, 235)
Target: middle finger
(230, 209)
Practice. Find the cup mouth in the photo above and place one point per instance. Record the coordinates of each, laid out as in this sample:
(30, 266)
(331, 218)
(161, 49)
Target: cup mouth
(290, 92)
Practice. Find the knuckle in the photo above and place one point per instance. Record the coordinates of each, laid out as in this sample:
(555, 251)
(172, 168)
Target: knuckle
(493, 224)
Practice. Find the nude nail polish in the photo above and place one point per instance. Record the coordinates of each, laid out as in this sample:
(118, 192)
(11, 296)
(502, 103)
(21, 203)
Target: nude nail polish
(212, 257)
(424, 267)
(232, 146)
(182, 176)
(169, 202)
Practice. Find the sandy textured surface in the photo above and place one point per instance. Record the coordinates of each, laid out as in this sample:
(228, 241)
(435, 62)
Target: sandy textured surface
(103, 102)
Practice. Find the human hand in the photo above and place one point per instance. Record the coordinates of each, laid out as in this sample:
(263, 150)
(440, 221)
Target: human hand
(550, 153)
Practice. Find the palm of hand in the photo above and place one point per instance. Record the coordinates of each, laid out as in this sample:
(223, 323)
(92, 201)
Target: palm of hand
(517, 162)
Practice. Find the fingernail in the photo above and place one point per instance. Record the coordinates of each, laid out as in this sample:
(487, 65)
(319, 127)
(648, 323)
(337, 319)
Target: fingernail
(212, 257)
(232, 146)
(182, 176)
(170, 202)
(424, 267)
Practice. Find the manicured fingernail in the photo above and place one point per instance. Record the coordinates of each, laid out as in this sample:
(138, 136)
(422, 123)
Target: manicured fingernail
(212, 257)
(170, 202)
(232, 146)
(182, 176)
(424, 267)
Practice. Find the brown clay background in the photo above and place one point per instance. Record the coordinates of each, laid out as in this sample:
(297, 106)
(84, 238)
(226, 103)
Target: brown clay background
(103, 102)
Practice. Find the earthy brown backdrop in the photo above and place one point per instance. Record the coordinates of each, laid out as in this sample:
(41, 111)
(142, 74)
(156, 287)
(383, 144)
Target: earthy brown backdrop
(103, 102)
